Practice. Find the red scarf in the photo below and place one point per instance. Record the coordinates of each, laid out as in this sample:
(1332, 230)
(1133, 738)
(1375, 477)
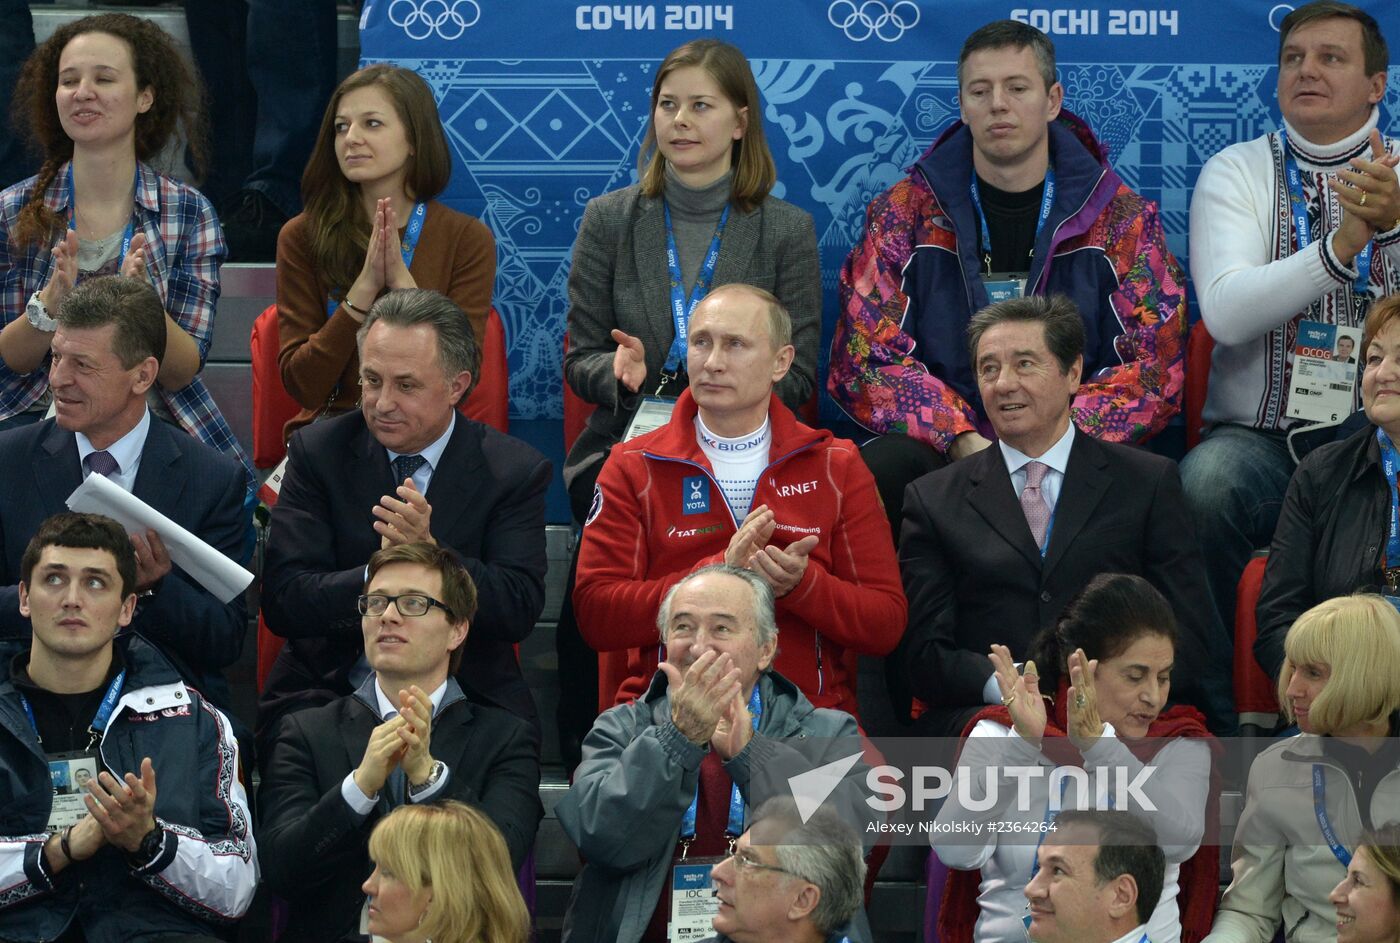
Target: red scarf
(1199, 878)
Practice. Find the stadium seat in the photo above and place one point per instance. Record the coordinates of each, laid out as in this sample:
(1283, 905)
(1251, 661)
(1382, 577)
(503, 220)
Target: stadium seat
(576, 409)
(273, 406)
(1256, 697)
(1199, 345)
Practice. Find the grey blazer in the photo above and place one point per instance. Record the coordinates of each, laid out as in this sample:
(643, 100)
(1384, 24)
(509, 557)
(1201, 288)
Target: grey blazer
(619, 279)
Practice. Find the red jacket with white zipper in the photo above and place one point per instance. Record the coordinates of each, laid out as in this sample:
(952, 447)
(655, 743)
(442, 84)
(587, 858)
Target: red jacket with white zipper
(640, 538)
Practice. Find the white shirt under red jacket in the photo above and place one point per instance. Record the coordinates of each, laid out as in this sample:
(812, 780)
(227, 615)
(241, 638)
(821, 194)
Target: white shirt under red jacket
(650, 524)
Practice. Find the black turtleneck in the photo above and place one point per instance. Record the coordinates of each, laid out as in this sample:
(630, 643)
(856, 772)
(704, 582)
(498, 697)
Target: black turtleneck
(1011, 219)
(62, 719)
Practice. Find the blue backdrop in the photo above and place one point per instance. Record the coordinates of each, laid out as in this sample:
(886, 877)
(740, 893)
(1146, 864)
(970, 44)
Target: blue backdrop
(545, 103)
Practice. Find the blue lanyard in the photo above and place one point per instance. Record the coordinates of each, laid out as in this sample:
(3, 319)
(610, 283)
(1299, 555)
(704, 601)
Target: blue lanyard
(99, 720)
(130, 223)
(735, 828)
(680, 307)
(1047, 201)
(1298, 207)
(406, 248)
(1389, 461)
(1320, 809)
(1050, 816)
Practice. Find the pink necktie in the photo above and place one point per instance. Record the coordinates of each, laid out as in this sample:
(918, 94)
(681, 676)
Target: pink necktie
(1033, 503)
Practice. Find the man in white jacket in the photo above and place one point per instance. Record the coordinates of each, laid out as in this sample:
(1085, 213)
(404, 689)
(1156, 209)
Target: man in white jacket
(1301, 224)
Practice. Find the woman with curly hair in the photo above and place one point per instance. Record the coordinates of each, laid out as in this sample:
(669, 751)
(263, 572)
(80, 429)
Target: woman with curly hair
(101, 99)
(442, 875)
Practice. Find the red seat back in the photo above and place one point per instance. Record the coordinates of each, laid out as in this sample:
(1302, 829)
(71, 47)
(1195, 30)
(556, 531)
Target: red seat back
(489, 402)
(273, 406)
(1255, 692)
(576, 409)
(1199, 345)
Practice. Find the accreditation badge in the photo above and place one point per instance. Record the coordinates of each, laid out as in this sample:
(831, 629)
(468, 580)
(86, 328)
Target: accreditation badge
(1004, 286)
(1323, 384)
(654, 413)
(693, 901)
(70, 773)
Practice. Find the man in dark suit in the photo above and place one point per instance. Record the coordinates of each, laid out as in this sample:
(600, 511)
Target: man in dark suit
(406, 468)
(407, 735)
(993, 547)
(107, 351)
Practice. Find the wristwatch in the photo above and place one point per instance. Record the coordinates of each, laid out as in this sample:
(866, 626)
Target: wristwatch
(148, 850)
(438, 770)
(39, 315)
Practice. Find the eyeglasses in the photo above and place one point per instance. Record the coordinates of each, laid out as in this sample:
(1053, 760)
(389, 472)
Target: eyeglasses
(408, 604)
(745, 861)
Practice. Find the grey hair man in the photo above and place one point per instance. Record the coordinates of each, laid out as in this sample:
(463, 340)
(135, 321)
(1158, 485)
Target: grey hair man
(789, 880)
(705, 736)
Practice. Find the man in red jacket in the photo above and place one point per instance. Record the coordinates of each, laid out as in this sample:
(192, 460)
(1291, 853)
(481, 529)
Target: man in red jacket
(733, 477)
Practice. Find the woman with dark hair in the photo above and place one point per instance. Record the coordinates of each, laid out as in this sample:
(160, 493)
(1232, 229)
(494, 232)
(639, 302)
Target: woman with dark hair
(100, 99)
(1368, 898)
(701, 215)
(1338, 531)
(370, 225)
(1108, 661)
(1311, 797)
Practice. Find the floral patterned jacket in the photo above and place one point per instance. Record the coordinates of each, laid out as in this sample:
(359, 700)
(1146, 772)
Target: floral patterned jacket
(899, 360)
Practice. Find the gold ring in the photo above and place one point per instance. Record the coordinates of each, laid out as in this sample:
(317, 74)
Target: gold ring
(1362, 201)
(1007, 700)
(1080, 701)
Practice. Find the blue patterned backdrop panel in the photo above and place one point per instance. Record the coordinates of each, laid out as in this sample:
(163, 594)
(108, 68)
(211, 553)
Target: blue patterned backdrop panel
(545, 104)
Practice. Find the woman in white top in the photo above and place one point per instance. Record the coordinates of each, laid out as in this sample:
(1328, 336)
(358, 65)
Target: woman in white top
(1108, 661)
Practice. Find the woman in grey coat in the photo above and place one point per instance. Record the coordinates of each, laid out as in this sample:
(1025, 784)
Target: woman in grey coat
(705, 165)
(701, 216)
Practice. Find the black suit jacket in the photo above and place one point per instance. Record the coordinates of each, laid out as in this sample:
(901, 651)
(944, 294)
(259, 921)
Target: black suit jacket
(314, 848)
(974, 575)
(196, 487)
(487, 497)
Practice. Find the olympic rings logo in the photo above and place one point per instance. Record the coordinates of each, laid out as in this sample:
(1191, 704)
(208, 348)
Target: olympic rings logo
(420, 19)
(873, 18)
(1277, 14)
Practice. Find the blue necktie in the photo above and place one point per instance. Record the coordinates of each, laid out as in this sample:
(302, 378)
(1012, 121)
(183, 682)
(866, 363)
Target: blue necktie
(405, 466)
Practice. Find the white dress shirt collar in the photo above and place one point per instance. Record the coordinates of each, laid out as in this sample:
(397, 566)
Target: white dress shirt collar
(126, 451)
(388, 707)
(1057, 456)
(431, 453)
